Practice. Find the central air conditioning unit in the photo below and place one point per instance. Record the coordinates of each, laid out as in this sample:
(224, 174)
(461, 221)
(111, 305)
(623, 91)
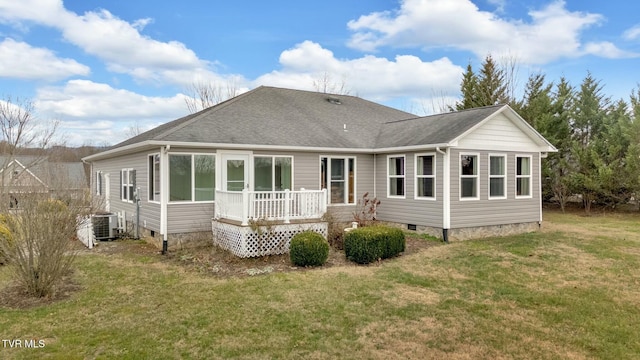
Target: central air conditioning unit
(105, 226)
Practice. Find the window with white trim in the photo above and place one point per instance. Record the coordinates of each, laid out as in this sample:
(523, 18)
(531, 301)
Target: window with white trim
(127, 184)
(154, 177)
(272, 173)
(191, 177)
(396, 176)
(523, 176)
(99, 181)
(469, 184)
(497, 177)
(425, 176)
(338, 176)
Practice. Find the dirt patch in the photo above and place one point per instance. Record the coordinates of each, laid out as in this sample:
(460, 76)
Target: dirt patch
(215, 261)
(13, 296)
(221, 263)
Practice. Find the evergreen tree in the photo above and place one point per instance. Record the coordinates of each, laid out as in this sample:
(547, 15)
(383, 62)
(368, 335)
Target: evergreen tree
(491, 89)
(588, 122)
(468, 89)
(557, 166)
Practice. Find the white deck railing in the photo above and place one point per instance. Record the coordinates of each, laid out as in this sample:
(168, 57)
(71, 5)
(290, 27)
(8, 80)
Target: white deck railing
(270, 205)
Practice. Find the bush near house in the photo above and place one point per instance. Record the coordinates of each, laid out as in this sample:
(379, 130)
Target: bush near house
(308, 249)
(368, 244)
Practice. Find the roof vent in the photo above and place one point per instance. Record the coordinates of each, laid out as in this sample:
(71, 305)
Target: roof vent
(334, 100)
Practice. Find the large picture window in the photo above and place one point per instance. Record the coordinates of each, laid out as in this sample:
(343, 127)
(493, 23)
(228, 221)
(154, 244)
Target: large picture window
(272, 173)
(425, 176)
(191, 177)
(523, 176)
(469, 176)
(395, 179)
(497, 177)
(337, 174)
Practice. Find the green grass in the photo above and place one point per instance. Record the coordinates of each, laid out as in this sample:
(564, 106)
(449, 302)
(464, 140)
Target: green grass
(569, 291)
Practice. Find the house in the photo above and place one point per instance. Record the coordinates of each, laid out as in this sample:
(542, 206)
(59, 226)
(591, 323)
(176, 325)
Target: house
(291, 155)
(20, 175)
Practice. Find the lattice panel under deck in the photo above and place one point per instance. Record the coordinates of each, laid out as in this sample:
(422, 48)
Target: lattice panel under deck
(242, 241)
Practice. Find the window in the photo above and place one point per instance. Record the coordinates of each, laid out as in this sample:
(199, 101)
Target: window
(497, 177)
(338, 176)
(127, 184)
(99, 183)
(523, 176)
(395, 180)
(469, 177)
(204, 177)
(191, 177)
(154, 177)
(272, 173)
(425, 176)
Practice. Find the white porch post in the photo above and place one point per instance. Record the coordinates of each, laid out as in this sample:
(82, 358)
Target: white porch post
(245, 207)
(287, 206)
(323, 201)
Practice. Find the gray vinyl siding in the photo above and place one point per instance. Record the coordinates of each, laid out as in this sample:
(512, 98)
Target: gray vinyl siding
(409, 210)
(485, 211)
(149, 212)
(189, 217)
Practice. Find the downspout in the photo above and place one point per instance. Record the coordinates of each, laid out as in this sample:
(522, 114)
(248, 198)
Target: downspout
(540, 187)
(446, 193)
(375, 176)
(164, 191)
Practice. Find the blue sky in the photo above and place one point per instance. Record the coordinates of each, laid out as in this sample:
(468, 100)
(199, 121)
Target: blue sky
(102, 67)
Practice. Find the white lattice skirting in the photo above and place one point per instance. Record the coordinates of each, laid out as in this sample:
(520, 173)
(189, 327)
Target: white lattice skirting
(242, 241)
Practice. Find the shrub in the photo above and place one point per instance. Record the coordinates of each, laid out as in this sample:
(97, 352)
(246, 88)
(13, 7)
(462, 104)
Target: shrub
(6, 240)
(308, 249)
(368, 244)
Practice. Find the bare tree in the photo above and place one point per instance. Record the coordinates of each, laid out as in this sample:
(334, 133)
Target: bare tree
(325, 83)
(134, 129)
(201, 95)
(21, 133)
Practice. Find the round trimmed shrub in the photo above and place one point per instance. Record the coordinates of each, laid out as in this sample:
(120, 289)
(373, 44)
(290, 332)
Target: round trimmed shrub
(368, 244)
(308, 249)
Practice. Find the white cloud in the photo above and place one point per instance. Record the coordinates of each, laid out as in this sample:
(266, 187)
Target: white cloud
(633, 33)
(552, 32)
(97, 113)
(376, 78)
(84, 99)
(22, 61)
(118, 43)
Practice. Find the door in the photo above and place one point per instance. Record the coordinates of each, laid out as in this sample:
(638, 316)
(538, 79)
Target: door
(235, 172)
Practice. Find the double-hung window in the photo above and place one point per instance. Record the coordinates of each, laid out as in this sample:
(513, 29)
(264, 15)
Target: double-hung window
(127, 184)
(396, 178)
(154, 177)
(338, 176)
(523, 176)
(497, 177)
(469, 183)
(192, 177)
(99, 181)
(272, 173)
(425, 176)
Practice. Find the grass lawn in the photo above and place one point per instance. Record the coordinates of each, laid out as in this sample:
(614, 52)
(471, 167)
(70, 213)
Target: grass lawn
(571, 291)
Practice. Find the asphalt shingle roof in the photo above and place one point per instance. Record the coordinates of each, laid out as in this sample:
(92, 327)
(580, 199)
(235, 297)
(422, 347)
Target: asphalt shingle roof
(285, 117)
